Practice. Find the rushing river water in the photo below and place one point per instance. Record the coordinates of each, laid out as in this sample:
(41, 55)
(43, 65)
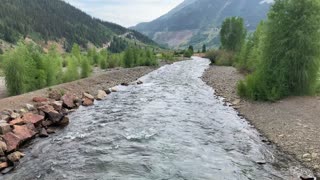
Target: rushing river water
(170, 128)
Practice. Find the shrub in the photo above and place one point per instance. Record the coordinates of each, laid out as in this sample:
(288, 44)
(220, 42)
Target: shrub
(85, 67)
(71, 73)
(220, 57)
(188, 53)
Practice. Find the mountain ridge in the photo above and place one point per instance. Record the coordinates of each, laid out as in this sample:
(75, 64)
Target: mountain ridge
(176, 30)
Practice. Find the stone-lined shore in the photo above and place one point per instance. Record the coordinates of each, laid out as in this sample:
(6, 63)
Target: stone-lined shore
(292, 124)
(41, 113)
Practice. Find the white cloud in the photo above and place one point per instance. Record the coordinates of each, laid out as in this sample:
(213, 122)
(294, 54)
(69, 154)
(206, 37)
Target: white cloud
(125, 12)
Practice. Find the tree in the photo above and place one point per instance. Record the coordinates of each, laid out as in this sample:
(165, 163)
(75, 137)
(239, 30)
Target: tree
(290, 52)
(204, 48)
(232, 34)
(190, 48)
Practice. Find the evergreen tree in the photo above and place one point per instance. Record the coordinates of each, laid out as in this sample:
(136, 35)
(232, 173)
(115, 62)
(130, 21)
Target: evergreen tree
(204, 48)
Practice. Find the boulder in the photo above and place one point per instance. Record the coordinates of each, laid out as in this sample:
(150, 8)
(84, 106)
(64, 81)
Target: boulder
(55, 116)
(57, 105)
(55, 95)
(30, 107)
(64, 122)
(33, 118)
(12, 141)
(87, 102)
(68, 101)
(39, 99)
(5, 117)
(4, 128)
(87, 95)
(101, 95)
(114, 89)
(43, 133)
(15, 156)
(17, 121)
(3, 165)
(46, 108)
(24, 132)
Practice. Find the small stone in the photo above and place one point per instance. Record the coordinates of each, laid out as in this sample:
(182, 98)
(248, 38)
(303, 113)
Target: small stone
(4, 128)
(7, 170)
(108, 91)
(87, 102)
(15, 156)
(236, 102)
(114, 89)
(2, 153)
(39, 99)
(57, 105)
(87, 95)
(124, 84)
(307, 155)
(46, 123)
(101, 95)
(3, 165)
(55, 95)
(55, 117)
(5, 117)
(24, 132)
(30, 107)
(14, 115)
(314, 155)
(3, 146)
(261, 162)
(43, 133)
(139, 82)
(46, 108)
(51, 131)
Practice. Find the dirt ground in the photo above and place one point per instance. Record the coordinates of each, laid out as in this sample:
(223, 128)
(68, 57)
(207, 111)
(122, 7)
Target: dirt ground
(100, 80)
(293, 124)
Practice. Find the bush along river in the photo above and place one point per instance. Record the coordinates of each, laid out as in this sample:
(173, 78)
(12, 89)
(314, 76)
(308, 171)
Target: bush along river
(170, 127)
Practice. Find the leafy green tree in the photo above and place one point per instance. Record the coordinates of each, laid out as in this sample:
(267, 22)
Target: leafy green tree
(290, 52)
(128, 58)
(85, 67)
(71, 72)
(104, 59)
(232, 34)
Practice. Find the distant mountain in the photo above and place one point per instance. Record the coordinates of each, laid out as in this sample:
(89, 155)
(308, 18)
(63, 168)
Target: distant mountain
(57, 20)
(198, 21)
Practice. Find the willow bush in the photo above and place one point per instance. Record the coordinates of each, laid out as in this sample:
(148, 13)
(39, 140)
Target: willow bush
(290, 52)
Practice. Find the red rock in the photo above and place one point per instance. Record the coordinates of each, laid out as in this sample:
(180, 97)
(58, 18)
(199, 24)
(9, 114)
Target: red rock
(39, 99)
(68, 101)
(46, 108)
(32, 118)
(4, 128)
(24, 132)
(12, 141)
(87, 102)
(3, 165)
(17, 121)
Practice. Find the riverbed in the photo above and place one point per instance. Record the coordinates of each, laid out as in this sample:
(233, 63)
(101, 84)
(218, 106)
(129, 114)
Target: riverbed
(171, 127)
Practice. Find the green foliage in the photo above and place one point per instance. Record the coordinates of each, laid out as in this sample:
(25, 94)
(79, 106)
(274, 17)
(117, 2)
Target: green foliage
(138, 57)
(232, 34)
(188, 53)
(85, 67)
(290, 53)
(71, 72)
(114, 60)
(249, 56)
(220, 57)
(118, 45)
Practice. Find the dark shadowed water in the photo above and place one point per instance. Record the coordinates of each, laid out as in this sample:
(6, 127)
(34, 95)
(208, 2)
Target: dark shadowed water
(170, 128)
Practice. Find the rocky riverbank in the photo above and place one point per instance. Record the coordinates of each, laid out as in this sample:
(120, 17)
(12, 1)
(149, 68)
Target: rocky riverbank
(41, 113)
(292, 124)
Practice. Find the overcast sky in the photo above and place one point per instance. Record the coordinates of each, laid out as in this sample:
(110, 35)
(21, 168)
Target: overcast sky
(125, 12)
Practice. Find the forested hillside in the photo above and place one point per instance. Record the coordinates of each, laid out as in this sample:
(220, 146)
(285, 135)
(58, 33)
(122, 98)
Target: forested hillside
(56, 20)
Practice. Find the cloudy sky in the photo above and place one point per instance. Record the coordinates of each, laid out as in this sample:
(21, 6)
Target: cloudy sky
(125, 12)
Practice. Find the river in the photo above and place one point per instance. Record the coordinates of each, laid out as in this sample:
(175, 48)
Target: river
(170, 128)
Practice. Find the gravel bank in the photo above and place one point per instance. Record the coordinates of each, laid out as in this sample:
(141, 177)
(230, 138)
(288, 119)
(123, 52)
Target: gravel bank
(292, 124)
(103, 80)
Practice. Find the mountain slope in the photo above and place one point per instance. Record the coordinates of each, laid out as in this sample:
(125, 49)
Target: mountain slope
(198, 21)
(56, 20)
